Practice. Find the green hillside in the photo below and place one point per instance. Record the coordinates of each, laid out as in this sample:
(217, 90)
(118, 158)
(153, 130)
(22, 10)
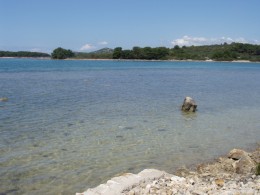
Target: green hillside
(105, 53)
(222, 52)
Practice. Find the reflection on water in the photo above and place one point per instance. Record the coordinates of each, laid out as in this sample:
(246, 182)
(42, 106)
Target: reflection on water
(189, 115)
(70, 125)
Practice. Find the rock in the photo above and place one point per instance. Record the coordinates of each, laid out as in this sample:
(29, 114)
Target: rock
(223, 179)
(189, 105)
(192, 182)
(3, 99)
(177, 179)
(174, 191)
(256, 156)
(118, 184)
(197, 192)
(243, 163)
(219, 182)
(148, 187)
(132, 192)
(236, 154)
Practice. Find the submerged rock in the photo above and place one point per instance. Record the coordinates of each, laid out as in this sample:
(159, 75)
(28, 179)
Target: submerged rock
(3, 99)
(189, 105)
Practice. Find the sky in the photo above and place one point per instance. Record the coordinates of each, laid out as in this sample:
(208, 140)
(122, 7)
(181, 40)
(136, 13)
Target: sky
(88, 25)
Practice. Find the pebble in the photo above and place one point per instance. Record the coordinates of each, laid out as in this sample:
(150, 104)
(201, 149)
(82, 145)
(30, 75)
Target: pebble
(179, 185)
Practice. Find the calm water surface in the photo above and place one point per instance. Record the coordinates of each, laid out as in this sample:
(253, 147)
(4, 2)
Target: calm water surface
(70, 125)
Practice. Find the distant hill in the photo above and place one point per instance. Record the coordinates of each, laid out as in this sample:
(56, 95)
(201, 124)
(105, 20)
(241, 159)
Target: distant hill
(221, 52)
(104, 53)
(105, 50)
(20, 54)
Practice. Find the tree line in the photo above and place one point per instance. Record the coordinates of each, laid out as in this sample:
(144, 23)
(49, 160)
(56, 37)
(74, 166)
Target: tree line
(23, 54)
(60, 53)
(146, 53)
(221, 52)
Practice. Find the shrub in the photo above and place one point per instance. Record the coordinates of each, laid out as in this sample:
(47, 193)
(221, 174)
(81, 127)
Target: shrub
(258, 169)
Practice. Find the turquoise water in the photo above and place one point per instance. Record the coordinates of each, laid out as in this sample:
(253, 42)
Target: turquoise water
(71, 125)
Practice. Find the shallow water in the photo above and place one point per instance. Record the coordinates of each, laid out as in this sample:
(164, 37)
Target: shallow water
(70, 125)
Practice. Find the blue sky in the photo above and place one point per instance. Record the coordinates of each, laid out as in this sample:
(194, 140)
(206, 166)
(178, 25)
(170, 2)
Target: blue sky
(87, 25)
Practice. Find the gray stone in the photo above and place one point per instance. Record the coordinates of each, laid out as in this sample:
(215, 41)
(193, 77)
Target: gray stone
(243, 163)
(189, 105)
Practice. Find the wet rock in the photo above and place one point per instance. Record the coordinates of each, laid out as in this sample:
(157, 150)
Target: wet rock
(3, 99)
(162, 130)
(128, 128)
(70, 124)
(189, 105)
(120, 138)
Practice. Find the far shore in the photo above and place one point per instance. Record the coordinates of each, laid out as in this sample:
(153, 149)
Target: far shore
(129, 60)
(172, 60)
(40, 58)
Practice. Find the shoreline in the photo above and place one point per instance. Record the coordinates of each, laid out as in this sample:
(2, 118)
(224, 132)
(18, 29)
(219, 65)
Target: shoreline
(172, 60)
(238, 172)
(132, 60)
(40, 58)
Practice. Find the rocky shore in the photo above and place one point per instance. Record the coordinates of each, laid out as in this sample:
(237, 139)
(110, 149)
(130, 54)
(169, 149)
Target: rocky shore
(238, 173)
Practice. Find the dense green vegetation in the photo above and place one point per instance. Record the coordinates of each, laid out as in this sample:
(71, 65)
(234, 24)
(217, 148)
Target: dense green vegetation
(60, 53)
(258, 169)
(23, 54)
(223, 52)
(146, 53)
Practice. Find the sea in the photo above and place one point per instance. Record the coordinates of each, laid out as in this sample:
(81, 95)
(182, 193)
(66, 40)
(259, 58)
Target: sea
(70, 125)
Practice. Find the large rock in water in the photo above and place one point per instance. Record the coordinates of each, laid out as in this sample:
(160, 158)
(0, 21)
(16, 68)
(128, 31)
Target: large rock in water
(189, 105)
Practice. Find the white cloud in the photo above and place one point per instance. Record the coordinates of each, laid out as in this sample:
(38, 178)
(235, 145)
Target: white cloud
(35, 50)
(188, 41)
(103, 43)
(241, 40)
(87, 47)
